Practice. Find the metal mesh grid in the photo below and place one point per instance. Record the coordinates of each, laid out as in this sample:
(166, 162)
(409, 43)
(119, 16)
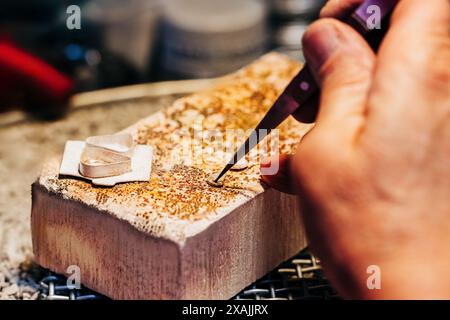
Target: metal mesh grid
(300, 277)
(54, 287)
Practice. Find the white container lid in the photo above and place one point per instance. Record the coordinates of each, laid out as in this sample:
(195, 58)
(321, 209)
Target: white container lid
(206, 38)
(214, 15)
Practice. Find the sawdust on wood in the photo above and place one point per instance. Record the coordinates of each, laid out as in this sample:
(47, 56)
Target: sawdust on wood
(178, 195)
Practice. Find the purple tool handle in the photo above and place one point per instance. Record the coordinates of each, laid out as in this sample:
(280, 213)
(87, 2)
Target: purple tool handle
(303, 86)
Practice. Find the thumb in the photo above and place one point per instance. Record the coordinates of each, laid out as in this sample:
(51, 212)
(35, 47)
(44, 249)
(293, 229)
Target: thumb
(343, 64)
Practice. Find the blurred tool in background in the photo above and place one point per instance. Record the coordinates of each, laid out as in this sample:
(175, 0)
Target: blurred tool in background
(30, 83)
(125, 42)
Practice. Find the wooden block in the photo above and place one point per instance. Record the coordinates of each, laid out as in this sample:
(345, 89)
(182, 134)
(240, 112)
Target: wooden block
(176, 237)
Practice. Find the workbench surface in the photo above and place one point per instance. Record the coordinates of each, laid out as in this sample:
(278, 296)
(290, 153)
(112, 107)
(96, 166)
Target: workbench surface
(24, 144)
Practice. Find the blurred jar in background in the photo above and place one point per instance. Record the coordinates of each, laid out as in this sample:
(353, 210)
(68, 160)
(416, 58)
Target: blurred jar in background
(209, 38)
(128, 28)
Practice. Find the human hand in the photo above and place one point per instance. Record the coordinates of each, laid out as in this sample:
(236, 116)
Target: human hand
(373, 175)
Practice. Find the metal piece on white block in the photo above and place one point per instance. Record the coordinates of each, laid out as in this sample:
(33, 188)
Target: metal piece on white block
(141, 165)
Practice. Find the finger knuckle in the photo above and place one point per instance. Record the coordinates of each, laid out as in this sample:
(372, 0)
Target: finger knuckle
(347, 72)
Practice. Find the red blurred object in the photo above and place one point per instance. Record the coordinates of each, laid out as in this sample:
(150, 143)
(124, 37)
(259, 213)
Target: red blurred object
(28, 82)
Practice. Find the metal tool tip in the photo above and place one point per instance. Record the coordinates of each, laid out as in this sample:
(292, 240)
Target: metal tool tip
(214, 182)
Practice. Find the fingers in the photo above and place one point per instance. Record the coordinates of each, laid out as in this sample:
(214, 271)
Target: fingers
(282, 180)
(339, 8)
(342, 63)
(413, 67)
